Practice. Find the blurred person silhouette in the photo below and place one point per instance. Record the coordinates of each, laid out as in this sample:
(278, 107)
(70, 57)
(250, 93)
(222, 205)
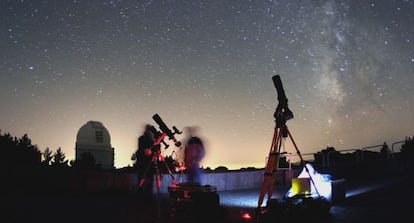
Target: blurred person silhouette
(144, 164)
(194, 152)
(385, 150)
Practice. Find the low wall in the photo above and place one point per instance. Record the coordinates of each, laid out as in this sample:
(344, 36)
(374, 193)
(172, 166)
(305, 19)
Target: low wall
(232, 180)
(91, 182)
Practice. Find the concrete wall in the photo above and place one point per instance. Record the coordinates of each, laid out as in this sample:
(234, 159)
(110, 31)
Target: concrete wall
(225, 181)
(230, 180)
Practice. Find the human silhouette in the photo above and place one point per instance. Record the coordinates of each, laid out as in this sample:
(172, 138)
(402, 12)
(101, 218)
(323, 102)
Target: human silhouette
(144, 163)
(385, 150)
(194, 152)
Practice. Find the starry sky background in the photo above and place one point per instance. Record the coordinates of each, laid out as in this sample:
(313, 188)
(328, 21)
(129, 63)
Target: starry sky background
(347, 68)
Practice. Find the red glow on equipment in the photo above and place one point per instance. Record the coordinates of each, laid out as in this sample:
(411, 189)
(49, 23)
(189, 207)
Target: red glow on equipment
(158, 181)
(180, 168)
(159, 140)
(141, 182)
(148, 152)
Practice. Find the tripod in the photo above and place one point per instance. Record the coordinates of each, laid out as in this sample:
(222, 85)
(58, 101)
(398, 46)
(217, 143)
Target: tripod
(281, 131)
(156, 158)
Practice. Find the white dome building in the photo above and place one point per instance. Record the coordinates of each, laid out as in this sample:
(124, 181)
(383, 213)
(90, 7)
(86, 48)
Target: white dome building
(94, 138)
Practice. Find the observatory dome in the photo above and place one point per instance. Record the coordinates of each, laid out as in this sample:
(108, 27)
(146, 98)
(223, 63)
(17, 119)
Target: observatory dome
(93, 132)
(94, 138)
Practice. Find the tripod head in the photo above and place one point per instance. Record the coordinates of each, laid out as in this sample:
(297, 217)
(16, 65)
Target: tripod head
(158, 136)
(282, 113)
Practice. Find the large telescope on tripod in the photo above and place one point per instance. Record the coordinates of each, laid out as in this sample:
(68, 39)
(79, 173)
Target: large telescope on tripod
(282, 114)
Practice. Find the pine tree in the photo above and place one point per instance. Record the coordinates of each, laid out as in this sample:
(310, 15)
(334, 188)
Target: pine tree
(59, 158)
(47, 157)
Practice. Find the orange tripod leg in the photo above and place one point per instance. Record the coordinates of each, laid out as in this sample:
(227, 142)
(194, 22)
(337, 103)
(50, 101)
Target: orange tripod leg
(272, 182)
(271, 167)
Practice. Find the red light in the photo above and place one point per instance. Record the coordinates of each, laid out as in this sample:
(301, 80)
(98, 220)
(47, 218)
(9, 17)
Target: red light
(246, 216)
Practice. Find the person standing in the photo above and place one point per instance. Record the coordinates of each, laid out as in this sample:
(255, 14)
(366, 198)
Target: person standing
(385, 150)
(144, 161)
(194, 152)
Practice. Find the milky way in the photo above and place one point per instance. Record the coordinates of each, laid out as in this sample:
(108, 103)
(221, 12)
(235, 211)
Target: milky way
(346, 66)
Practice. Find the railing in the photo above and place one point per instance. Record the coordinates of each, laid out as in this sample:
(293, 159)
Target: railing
(395, 143)
(289, 159)
(326, 161)
(328, 156)
(370, 147)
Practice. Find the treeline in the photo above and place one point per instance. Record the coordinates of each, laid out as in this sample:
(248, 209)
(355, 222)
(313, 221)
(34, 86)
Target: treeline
(26, 171)
(21, 153)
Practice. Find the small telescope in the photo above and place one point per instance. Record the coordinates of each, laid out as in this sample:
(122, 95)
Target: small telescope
(166, 130)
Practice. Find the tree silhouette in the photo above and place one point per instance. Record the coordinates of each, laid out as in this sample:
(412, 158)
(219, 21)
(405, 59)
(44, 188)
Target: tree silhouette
(86, 161)
(47, 157)
(27, 153)
(8, 150)
(59, 158)
(134, 158)
(407, 150)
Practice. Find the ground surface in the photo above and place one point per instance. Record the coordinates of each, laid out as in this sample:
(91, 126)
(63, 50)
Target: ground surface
(390, 200)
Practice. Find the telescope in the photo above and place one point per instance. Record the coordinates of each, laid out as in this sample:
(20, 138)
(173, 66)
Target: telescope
(167, 130)
(282, 113)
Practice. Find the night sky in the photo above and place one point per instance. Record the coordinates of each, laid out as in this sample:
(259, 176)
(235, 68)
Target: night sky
(347, 68)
